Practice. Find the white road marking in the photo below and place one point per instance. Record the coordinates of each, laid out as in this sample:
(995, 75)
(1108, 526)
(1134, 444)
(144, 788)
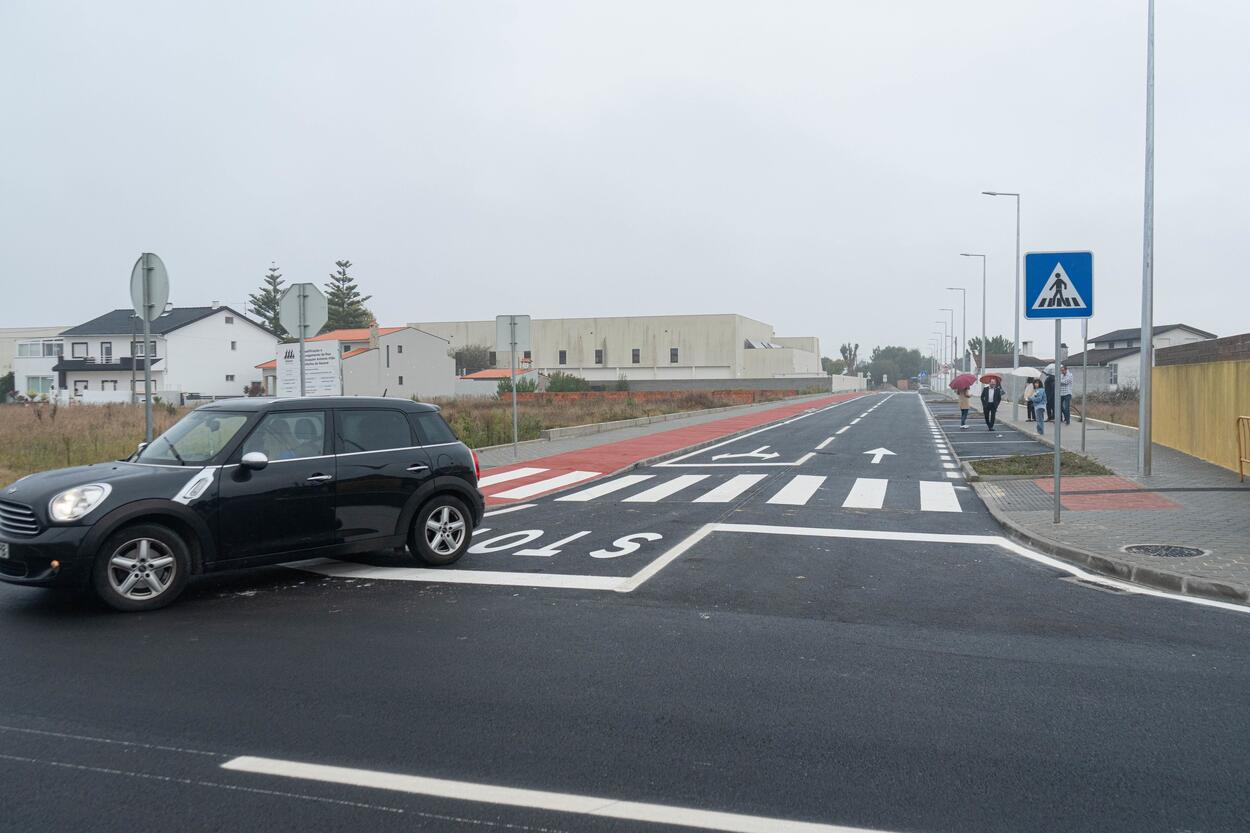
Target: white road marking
(731, 488)
(867, 493)
(669, 487)
(584, 805)
(798, 491)
(840, 430)
(505, 476)
(550, 484)
(804, 415)
(954, 475)
(508, 509)
(607, 488)
(857, 419)
(346, 569)
(938, 496)
(949, 465)
(993, 442)
(824, 443)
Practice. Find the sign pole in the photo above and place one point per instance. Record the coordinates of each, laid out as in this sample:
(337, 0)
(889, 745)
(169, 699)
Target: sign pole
(147, 347)
(512, 353)
(1144, 439)
(1084, 376)
(303, 327)
(1058, 414)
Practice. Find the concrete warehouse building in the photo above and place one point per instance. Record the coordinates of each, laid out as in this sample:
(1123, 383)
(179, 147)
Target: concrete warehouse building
(653, 347)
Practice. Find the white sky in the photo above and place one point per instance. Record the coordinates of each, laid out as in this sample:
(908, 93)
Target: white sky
(813, 165)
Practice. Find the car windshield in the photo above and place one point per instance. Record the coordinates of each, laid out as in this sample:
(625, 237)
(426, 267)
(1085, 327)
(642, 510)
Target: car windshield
(196, 438)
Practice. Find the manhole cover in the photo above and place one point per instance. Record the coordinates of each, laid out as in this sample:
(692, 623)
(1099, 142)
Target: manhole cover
(1164, 550)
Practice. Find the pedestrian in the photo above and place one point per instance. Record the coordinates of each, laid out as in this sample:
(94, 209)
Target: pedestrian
(1050, 396)
(1038, 399)
(991, 395)
(1065, 394)
(965, 404)
(1028, 395)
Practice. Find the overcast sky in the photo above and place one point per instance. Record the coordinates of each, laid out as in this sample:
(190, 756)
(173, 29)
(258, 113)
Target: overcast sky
(813, 165)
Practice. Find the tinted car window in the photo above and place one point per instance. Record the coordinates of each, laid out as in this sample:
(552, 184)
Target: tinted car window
(432, 429)
(289, 435)
(371, 430)
(196, 438)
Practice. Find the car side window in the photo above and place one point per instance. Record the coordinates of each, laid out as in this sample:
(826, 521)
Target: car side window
(371, 430)
(289, 435)
(432, 429)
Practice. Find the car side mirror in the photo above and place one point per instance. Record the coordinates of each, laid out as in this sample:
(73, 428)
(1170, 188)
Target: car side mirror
(255, 460)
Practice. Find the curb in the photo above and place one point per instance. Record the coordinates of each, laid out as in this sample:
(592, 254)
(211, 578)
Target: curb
(637, 464)
(1117, 568)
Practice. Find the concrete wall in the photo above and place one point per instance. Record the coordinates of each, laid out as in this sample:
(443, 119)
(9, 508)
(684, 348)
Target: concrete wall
(708, 346)
(1194, 408)
(759, 364)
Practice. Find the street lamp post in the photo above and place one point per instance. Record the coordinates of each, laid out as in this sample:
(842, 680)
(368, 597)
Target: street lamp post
(983, 304)
(954, 351)
(965, 355)
(946, 343)
(1015, 316)
(1148, 260)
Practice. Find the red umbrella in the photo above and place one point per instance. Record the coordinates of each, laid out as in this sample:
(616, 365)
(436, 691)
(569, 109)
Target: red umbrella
(985, 380)
(963, 381)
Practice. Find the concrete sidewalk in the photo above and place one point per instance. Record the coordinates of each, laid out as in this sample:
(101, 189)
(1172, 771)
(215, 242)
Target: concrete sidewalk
(1186, 503)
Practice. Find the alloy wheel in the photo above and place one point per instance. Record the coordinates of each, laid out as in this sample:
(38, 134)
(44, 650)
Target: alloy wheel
(141, 569)
(444, 530)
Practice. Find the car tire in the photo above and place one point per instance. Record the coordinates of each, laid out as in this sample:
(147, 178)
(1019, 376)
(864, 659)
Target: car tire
(441, 531)
(141, 567)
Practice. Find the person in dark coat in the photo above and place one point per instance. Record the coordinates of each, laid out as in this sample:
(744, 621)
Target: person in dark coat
(991, 395)
(1050, 397)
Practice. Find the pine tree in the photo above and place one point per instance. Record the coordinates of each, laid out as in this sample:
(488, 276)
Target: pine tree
(346, 305)
(264, 304)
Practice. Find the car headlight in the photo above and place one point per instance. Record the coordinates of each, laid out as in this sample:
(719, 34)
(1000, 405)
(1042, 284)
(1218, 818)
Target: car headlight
(72, 504)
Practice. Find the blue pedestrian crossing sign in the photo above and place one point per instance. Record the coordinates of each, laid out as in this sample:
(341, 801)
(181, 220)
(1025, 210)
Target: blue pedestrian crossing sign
(1059, 285)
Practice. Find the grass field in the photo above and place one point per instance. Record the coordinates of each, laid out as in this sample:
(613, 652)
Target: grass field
(45, 436)
(1039, 465)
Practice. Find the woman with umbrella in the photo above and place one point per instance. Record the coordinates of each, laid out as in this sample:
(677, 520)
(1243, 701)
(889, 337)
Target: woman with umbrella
(991, 395)
(960, 384)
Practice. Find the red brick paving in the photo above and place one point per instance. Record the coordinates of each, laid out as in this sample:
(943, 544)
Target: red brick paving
(1072, 497)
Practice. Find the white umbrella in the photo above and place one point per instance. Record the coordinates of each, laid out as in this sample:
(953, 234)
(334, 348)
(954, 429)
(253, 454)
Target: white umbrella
(1024, 371)
(1049, 370)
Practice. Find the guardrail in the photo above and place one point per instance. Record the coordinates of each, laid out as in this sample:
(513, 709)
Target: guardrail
(1243, 445)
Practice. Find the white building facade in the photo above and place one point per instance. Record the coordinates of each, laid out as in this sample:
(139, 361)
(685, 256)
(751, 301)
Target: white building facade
(386, 361)
(660, 347)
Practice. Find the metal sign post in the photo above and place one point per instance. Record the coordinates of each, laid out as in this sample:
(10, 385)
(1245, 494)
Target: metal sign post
(1084, 376)
(149, 292)
(303, 326)
(302, 309)
(512, 333)
(1059, 285)
(512, 353)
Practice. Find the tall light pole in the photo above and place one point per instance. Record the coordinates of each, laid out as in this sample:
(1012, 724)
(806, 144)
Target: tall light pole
(1015, 315)
(954, 338)
(1147, 259)
(946, 343)
(965, 354)
(983, 303)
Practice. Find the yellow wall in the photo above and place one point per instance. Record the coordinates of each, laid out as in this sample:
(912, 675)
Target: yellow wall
(1196, 405)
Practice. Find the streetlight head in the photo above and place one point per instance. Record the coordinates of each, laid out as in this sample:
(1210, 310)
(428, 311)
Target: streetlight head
(956, 289)
(990, 193)
(970, 254)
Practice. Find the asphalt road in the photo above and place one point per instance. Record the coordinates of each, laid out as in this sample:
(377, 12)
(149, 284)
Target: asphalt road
(720, 642)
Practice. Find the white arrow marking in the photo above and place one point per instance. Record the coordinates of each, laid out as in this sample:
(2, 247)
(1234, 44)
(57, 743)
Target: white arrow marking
(878, 453)
(757, 454)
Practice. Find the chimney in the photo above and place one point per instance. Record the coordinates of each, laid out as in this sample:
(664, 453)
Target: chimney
(373, 334)
(1026, 347)
(216, 304)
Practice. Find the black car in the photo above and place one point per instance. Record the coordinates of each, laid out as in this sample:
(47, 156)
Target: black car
(241, 483)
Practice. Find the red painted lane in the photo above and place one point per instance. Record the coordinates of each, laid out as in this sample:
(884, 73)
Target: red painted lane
(611, 458)
(1074, 494)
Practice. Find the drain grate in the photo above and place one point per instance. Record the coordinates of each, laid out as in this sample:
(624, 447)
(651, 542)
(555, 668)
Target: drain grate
(1164, 550)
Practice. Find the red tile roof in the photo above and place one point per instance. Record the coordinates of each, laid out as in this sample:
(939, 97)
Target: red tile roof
(494, 373)
(356, 334)
(356, 352)
(269, 365)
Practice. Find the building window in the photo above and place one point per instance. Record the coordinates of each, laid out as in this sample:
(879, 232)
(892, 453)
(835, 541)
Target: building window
(43, 347)
(401, 380)
(388, 355)
(137, 348)
(491, 358)
(564, 357)
(635, 356)
(598, 357)
(38, 385)
(672, 355)
(80, 385)
(527, 356)
(229, 319)
(106, 352)
(108, 384)
(229, 377)
(234, 345)
(346, 347)
(1113, 374)
(78, 350)
(399, 348)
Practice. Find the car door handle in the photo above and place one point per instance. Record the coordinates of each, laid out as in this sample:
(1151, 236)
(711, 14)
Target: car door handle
(320, 478)
(418, 467)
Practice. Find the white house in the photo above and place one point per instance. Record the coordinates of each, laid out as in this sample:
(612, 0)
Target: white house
(1120, 351)
(194, 351)
(26, 342)
(386, 361)
(32, 363)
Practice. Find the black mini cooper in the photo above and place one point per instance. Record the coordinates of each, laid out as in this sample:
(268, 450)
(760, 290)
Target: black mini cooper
(241, 483)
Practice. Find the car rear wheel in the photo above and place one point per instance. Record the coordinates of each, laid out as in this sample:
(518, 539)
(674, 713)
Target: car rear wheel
(441, 532)
(142, 567)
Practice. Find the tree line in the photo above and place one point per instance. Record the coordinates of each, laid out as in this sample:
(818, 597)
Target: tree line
(345, 303)
(895, 362)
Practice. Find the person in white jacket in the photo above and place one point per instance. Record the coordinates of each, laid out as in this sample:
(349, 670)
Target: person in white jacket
(1065, 394)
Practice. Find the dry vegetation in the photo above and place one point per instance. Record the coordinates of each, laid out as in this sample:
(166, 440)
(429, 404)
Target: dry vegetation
(1119, 406)
(45, 436)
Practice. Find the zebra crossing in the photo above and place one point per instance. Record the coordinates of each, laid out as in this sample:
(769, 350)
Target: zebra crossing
(796, 490)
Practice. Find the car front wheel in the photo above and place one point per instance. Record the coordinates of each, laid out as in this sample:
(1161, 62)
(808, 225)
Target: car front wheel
(142, 567)
(441, 531)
